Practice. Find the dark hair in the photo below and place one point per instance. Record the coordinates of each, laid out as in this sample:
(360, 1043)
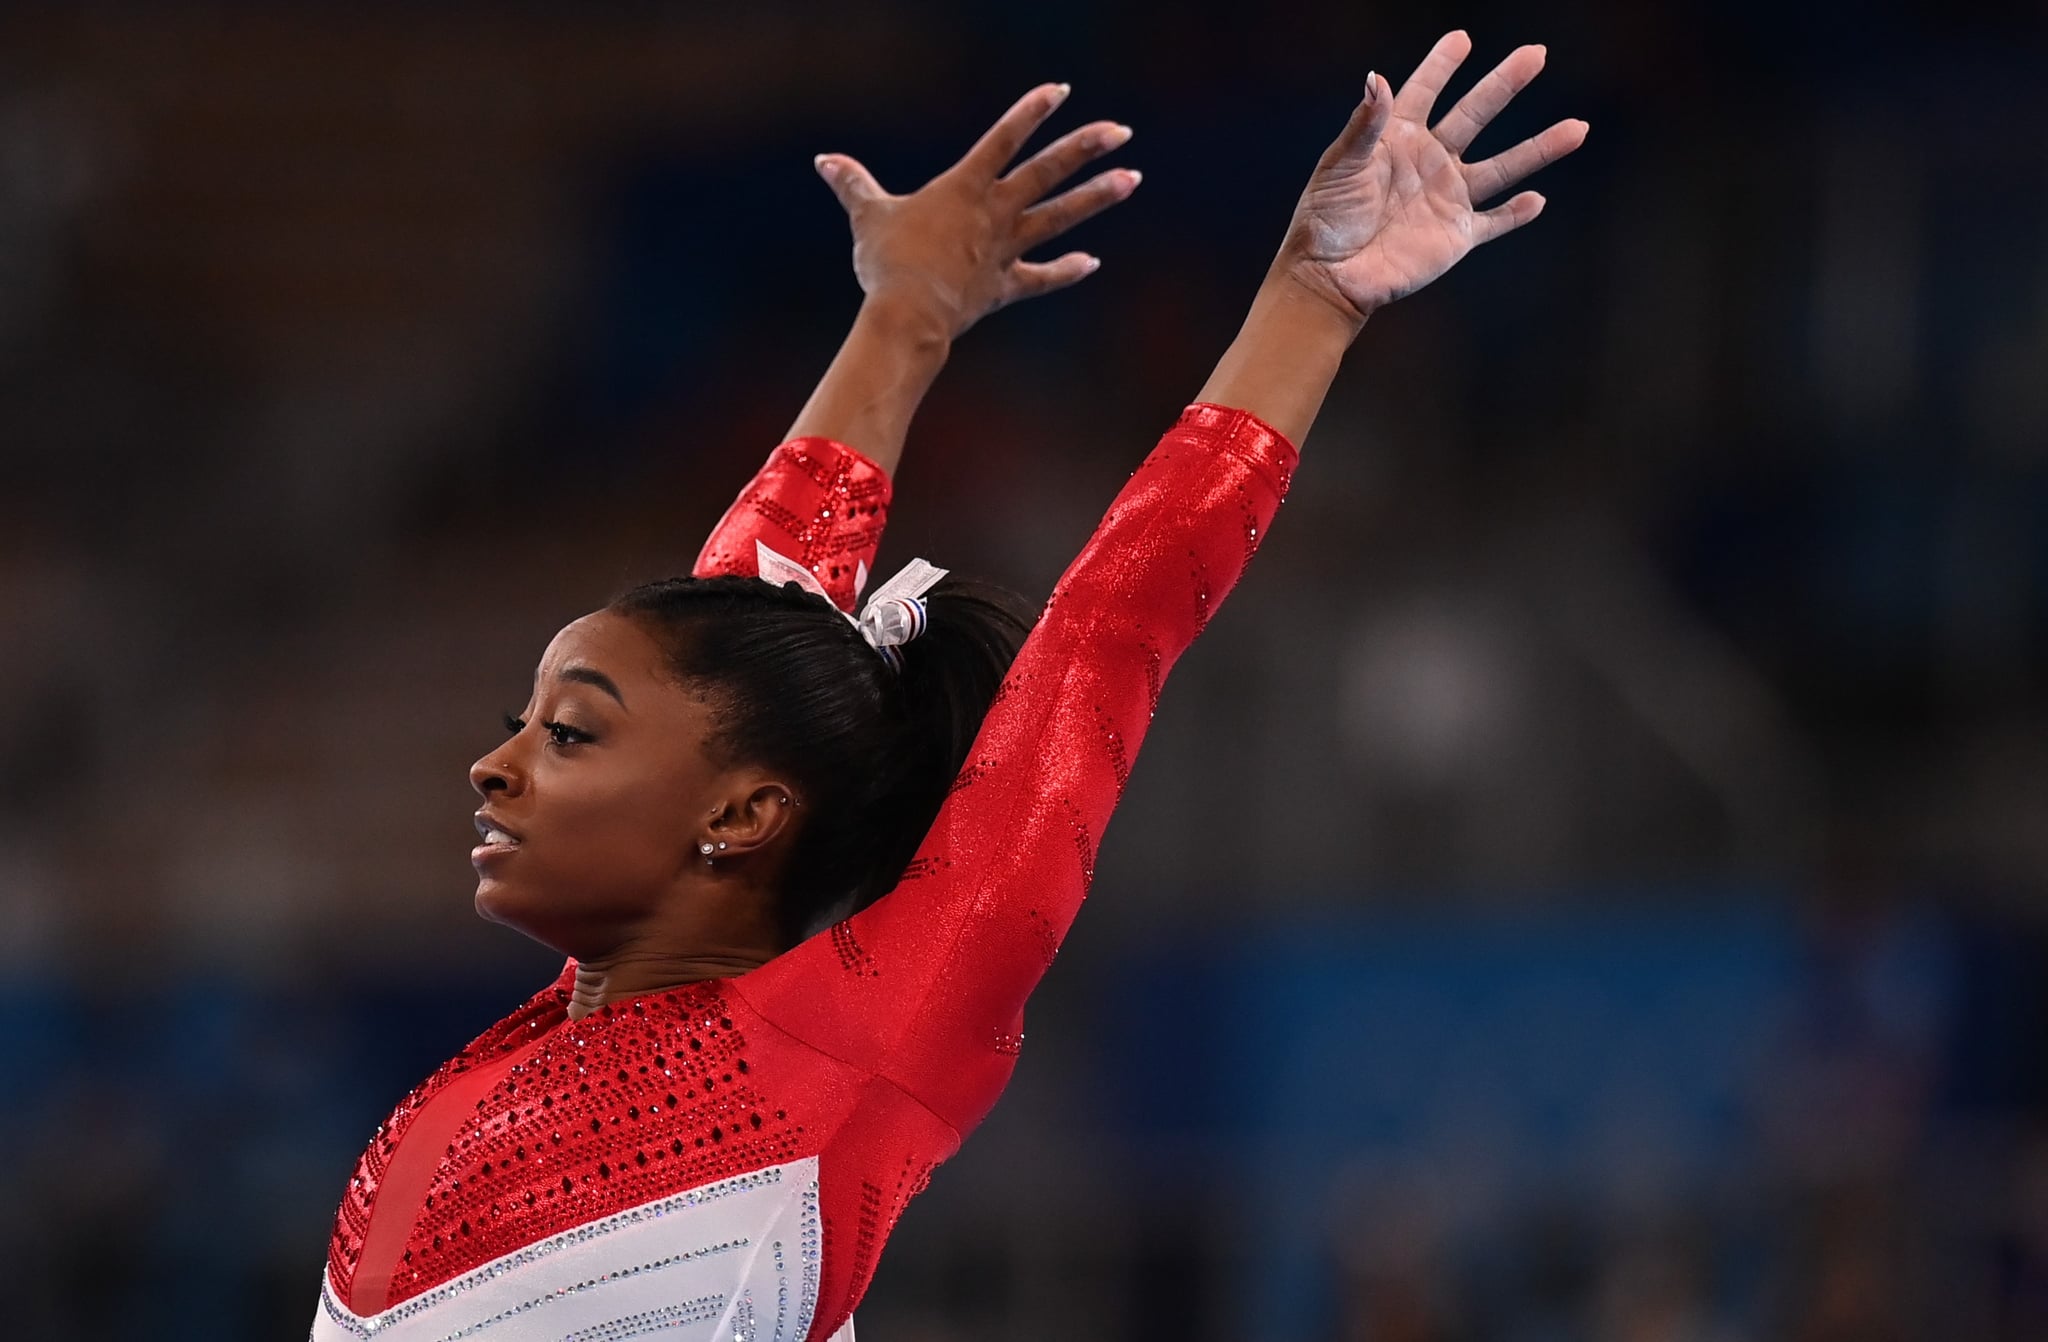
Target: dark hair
(872, 749)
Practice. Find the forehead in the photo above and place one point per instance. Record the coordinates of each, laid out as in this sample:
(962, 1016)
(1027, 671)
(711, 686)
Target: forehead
(608, 642)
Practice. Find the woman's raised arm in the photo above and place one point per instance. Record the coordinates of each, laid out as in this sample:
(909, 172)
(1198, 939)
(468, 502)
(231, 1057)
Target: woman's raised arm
(930, 264)
(931, 980)
(1391, 205)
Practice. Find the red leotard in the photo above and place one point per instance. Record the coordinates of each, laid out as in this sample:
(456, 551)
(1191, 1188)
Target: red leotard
(864, 1055)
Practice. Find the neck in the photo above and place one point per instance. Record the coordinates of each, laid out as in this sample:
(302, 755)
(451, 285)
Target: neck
(629, 973)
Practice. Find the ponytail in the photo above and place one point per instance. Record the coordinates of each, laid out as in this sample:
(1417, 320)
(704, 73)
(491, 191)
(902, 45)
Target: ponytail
(871, 749)
(949, 678)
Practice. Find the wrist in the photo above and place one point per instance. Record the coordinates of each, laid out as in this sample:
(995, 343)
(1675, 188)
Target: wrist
(907, 321)
(1296, 293)
(1286, 354)
(876, 381)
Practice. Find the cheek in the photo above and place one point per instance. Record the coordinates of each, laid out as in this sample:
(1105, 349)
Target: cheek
(586, 869)
(620, 828)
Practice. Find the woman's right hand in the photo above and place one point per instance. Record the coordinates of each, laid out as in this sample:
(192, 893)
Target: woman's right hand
(952, 251)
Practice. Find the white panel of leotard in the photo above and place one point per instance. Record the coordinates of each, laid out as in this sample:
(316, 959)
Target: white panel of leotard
(736, 1260)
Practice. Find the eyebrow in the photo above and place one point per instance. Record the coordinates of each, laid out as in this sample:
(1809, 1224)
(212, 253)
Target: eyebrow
(589, 675)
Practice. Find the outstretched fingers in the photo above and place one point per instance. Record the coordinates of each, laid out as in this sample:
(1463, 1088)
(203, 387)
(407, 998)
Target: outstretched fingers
(1490, 177)
(1484, 100)
(1046, 169)
(852, 183)
(1001, 142)
(1505, 218)
(1029, 279)
(1045, 221)
(1354, 144)
(1420, 93)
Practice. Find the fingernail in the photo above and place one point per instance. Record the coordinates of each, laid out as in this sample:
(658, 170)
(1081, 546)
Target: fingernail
(1060, 92)
(1135, 176)
(1372, 85)
(1094, 264)
(827, 169)
(1115, 136)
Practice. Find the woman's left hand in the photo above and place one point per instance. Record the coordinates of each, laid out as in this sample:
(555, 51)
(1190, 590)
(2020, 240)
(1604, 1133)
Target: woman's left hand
(953, 250)
(1391, 204)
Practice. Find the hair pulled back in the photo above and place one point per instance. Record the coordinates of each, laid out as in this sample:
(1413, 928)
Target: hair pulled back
(872, 750)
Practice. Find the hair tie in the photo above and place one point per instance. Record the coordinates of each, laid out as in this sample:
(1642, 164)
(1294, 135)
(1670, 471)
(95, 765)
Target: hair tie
(894, 615)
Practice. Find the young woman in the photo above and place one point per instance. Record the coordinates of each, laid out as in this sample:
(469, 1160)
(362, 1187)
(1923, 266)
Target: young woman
(709, 1124)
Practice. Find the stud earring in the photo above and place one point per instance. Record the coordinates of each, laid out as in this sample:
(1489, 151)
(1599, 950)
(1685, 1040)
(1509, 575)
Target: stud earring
(721, 847)
(703, 847)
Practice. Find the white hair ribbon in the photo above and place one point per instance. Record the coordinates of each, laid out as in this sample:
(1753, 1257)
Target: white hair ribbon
(778, 569)
(893, 616)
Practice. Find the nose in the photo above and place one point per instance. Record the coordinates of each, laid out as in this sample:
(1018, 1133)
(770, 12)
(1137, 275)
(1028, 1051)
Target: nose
(496, 773)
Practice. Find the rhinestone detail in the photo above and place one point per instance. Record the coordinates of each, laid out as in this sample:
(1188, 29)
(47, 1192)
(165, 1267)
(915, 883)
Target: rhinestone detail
(533, 1253)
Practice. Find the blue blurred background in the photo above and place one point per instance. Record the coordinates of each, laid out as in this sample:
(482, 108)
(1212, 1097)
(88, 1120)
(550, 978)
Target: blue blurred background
(1588, 884)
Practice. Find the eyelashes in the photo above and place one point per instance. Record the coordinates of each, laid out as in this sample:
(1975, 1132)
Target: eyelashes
(559, 733)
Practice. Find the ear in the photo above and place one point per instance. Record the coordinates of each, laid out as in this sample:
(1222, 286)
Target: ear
(753, 816)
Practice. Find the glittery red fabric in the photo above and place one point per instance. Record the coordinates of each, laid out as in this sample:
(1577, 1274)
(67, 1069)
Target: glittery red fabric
(816, 501)
(878, 1044)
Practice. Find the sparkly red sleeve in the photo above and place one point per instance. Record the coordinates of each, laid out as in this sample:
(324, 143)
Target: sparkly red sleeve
(930, 981)
(819, 502)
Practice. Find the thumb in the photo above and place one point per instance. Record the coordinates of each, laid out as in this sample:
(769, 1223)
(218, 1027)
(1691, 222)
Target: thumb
(853, 184)
(1354, 144)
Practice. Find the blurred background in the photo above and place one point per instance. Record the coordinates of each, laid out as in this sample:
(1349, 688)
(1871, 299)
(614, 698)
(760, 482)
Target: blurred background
(1591, 882)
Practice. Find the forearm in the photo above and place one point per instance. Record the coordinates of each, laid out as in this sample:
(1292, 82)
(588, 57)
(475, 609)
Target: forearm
(876, 382)
(1285, 356)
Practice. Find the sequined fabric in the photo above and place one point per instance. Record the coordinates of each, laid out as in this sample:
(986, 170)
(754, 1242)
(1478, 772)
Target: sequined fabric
(819, 502)
(639, 1099)
(878, 1044)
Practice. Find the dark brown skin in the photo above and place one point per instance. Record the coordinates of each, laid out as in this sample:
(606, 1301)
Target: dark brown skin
(935, 262)
(608, 866)
(608, 803)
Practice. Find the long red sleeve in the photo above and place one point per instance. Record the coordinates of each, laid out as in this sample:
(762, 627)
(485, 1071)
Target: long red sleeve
(819, 502)
(930, 981)
(736, 1151)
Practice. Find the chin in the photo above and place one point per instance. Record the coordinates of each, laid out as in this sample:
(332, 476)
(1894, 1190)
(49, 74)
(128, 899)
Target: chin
(527, 908)
(498, 903)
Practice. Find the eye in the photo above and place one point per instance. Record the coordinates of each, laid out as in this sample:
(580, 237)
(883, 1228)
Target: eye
(562, 734)
(559, 733)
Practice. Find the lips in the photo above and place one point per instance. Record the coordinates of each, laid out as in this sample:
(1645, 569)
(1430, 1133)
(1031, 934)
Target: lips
(497, 836)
